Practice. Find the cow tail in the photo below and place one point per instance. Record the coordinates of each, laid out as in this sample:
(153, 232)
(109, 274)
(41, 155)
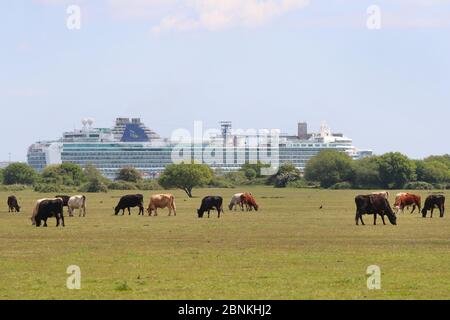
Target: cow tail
(34, 213)
(172, 200)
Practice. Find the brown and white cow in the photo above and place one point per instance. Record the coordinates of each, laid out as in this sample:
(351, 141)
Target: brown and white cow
(162, 201)
(249, 201)
(407, 200)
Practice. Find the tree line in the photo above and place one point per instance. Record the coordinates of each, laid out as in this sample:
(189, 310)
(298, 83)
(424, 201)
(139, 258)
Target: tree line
(389, 171)
(329, 169)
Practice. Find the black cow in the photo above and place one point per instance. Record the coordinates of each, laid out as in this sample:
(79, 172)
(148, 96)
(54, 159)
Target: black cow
(13, 204)
(130, 201)
(210, 203)
(65, 200)
(434, 202)
(50, 209)
(376, 205)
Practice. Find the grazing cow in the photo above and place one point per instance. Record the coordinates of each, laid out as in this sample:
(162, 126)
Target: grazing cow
(376, 205)
(434, 202)
(162, 201)
(210, 203)
(407, 200)
(385, 194)
(77, 202)
(236, 202)
(36, 208)
(130, 201)
(13, 204)
(49, 208)
(398, 196)
(249, 201)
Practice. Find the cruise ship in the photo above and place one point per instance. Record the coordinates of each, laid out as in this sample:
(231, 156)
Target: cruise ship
(130, 143)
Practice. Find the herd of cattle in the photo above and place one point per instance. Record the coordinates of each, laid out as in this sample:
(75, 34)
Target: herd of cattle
(374, 204)
(54, 207)
(377, 203)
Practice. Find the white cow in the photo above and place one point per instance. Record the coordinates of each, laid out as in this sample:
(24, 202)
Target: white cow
(236, 201)
(77, 202)
(384, 194)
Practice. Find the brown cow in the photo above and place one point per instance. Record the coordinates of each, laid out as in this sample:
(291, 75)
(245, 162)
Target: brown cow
(249, 201)
(407, 200)
(162, 201)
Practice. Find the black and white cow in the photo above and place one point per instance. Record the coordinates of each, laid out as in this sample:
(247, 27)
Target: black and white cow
(48, 208)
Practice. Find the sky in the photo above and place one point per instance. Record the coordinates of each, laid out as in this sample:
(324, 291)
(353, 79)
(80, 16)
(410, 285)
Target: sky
(258, 63)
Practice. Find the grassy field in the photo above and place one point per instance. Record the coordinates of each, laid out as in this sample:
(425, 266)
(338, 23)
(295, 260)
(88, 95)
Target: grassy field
(288, 250)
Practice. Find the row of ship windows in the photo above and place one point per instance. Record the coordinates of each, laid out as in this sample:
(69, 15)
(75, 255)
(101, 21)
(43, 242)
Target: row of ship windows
(169, 154)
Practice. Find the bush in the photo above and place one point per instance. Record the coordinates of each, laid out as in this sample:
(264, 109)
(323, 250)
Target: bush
(236, 178)
(13, 188)
(51, 188)
(19, 173)
(96, 183)
(67, 174)
(129, 174)
(149, 185)
(442, 186)
(419, 185)
(255, 167)
(302, 183)
(221, 182)
(341, 186)
(286, 173)
(250, 173)
(94, 186)
(122, 185)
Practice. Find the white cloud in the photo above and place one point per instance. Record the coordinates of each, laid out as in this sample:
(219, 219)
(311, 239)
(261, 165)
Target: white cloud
(212, 15)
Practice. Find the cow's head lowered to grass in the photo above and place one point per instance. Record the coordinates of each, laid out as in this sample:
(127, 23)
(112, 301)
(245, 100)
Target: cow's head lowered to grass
(391, 216)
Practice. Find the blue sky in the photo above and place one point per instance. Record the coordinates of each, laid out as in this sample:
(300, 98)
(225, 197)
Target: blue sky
(260, 64)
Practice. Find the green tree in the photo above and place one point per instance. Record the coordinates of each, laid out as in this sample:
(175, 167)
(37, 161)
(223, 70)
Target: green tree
(236, 177)
(329, 167)
(19, 173)
(1, 176)
(367, 173)
(396, 170)
(129, 174)
(445, 159)
(286, 173)
(95, 182)
(73, 172)
(185, 176)
(67, 174)
(250, 174)
(255, 167)
(432, 171)
(52, 175)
